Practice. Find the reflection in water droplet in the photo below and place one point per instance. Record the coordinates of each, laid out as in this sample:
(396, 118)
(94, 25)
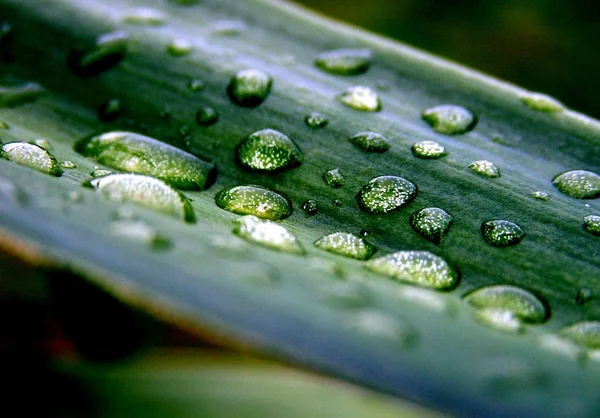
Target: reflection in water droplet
(521, 303)
(195, 85)
(334, 178)
(145, 16)
(361, 98)
(349, 295)
(316, 120)
(542, 103)
(432, 223)
(68, 164)
(108, 50)
(370, 142)
(377, 324)
(501, 233)
(591, 224)
(128, 151)
(423, 297)
(250, 87)
(485, 168)
(579, 184)
(344, 61)
(416, 267)
(584, 333)
(179, 47)
(206, 116)
(32, 156)
(449, 119)
(268, 150)
(267, 233)
(19, 95)
(254, 200)
(347, 245)
(539, 195)
(428, 150)
(584, 295)
(310, 207)
(229, 28)
(337, 203)
(386, 193)
(140, 231)
(500, 319)
(109, 111)
(146, 191)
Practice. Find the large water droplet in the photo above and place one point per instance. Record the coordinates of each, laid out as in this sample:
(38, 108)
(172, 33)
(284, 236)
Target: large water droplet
(109, 111)
(140, 231)
(32, 156)
(179, 47)
(542, 102)
(334, 178)
(449, 119)
(145, 16)
(428, 150)
(584, 333)
(20, 95)
(539, 195)
(361, 98)
(206, 116)
(347, 245)
(108, 50)
(485, 168)
(501, 233)
(250, 87)
(310, 207)
(591, 224)
(344, 61)
(521, 303)
(421, 268)
(500, 319)
(316, 120)
(267, 233)
(370, 142)
(268, 150)
(580, 184)
(377, 324)
(137, 153)
(432, 223)
(254, 200)
(584, 295)
(386, 193)
(146, 191)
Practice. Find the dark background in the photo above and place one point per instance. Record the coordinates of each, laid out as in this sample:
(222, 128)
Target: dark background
(550, 46)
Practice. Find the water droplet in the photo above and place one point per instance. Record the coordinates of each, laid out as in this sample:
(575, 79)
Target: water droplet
(386, 193)
(584, 295)
(140, 231)
(3, 125)
(449, 119)
(109, 111)
(99, 172)
(377, 324)
(421, 268)
(145, 16)
(136, 153)
(423, 297)
(542, 102)
(539, 195)
(428, 150)
(195, 85)
(108, 50)
(145, 191)
(521, 303)
(591, 224)
(558, 345)
(579, 184)
(267, 233)
(334, 178)
(370, 142)
(179, 47)
(349, 295)
(344, 61)
(364, 233)
(500, 319)
(206, 116)
(229, 28)
(19, 95)
(316, 120)
(337, 203)
(32, 156)
(310, 207)
(584, 333)
(10, 193)
(347, 245)
(432, 223)
(501, 233)
(250, 87)
(485, 168)
(268, 150)
(361, 98)
(68, 164)
(43, 143)
(254, 200)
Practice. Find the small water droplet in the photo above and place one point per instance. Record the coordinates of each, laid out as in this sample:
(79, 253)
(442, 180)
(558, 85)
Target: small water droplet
(364, 233)
(521, 303)
(579, 184)
(249, 87)
(254, 200)
(584, 295)
(68, 165)
(449, 119)
(361, 98)
(539, 195)
(179, 47)
(19, 95)
(500, 319)
(4, 125)
(145, 191)
(386, 193)
(347, 245)
(10, 193)
(501, 233)
(310, 207)
(423, 297)
(334, 178)
(108, 50)
(337, 203)
(428, 150)
(431, 223)
(43, 143)
(584, 333)
(99, 172)
(267, 233)
(109, 111)
(421, 268)
(137, 153)
(591, 224)
(349, 295)
(542, 103)
(195, 85)
(229, 28)
(145, 16)
(32, 156)
(268, 150)
(206, 116)
(141, 232)
(485, 168)
(344, 61)
(316, 120)
(377, 324)
(370, 142)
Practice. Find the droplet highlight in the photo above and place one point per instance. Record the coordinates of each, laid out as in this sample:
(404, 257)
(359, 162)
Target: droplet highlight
(310, 207)
(579, 184)
(499, 319)
(32, 156)
(449, 119)
(386, 193)
(334, 178)
(520, 302)
(428, 150)
(370, 142)
(485, 168)
(254, 200)
(431, 223)
(347, 245)
(249, 87)
(268, 150)
(267, 234)
(501, 233)
(361, 98)
(345, 61)
(539, 195)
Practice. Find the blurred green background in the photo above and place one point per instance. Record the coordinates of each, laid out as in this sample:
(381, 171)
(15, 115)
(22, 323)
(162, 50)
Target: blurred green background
(549, 46)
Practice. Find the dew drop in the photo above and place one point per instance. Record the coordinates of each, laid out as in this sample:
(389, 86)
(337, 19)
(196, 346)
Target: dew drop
(254, 200)
(337, 203)
(108, 50)
(449, 119)
(485, 168)
(344, 61)
(99, 172)
(137, 153)
(229, 28)
(43, 143)
(349, 295)
(584, 295)
(519, 302)
(310, 207)
(591, 224)
(267, 233)
(179, 47)
(140, 231)
(316, 120)
(421, 268)
(542, 103)
(195, 85)
(146, 191)
(364, 233)
(539, 195)
(249, 87)
(19, 95)
(361, 98)
(68, 165)
(268, 150)
(370, 142)
(499, 319)
(428, 150)
(431, 223)
(584, 333)
(385, 193)
(206, 116)
(347, 245)
(109, 111)
(4, 125)
(32, 156)
(377, 324)
(579, 184)
(334, 178)
(145, 16)
(501, 233)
